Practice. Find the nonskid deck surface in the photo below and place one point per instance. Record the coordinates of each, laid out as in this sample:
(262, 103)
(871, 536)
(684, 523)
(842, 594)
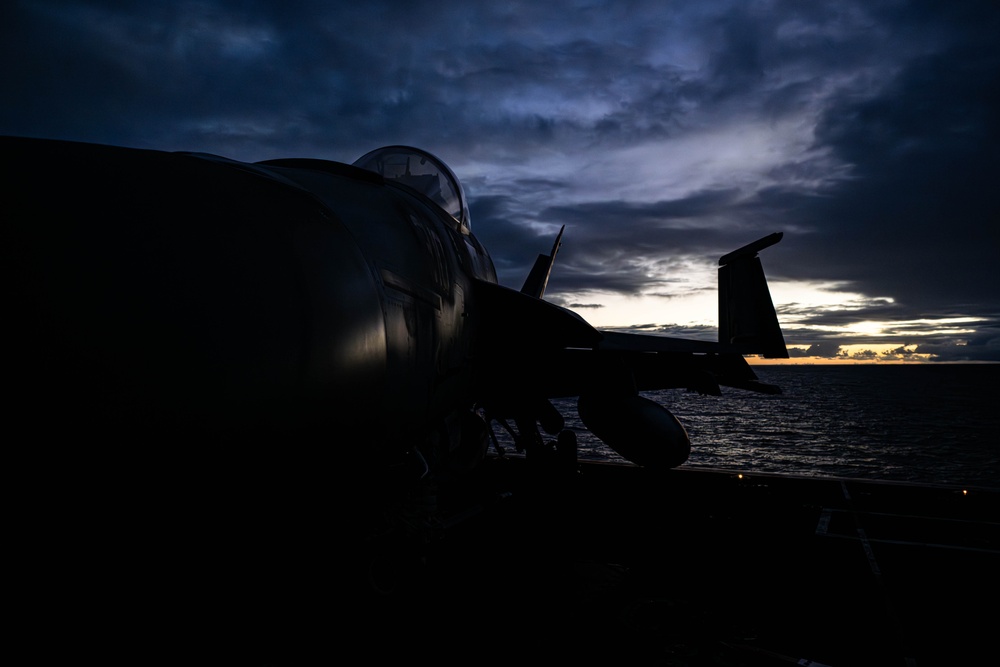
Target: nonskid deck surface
(704, 567)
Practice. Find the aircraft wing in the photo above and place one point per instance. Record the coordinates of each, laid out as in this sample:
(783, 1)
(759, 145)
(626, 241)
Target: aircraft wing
(660, 362)
(530, 351)
(564, 356)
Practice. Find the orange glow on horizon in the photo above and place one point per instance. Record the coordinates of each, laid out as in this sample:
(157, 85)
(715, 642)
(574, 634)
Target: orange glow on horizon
(852, 354)
(833, 361)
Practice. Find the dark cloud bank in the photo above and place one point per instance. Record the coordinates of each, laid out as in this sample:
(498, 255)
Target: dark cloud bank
(887, 190)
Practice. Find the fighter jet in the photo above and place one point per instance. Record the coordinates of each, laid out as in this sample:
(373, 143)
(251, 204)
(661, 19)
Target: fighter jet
(337, 314)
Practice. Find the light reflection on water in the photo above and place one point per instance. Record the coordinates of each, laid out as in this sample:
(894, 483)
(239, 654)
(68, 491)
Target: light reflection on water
(922, 423)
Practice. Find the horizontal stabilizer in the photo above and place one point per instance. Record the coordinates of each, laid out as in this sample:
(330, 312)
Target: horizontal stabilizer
(747, 320)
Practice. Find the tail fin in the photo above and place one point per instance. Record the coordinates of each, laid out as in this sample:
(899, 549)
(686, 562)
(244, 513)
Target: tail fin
(538, 278)
(747, 319)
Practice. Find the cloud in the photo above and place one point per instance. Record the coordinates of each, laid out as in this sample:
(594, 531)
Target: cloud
(824, 350)
(662, 136)
(981, 347)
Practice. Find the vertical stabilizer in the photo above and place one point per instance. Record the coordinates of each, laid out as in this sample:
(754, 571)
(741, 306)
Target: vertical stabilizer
(747, 319)
(538, 278)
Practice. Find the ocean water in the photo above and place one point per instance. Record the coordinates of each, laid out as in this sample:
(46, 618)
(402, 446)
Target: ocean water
(928, 423)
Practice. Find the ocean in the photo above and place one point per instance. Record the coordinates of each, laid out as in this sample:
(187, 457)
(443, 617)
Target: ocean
(926, 423)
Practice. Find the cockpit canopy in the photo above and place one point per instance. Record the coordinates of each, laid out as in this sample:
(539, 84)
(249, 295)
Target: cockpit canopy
(422, 172)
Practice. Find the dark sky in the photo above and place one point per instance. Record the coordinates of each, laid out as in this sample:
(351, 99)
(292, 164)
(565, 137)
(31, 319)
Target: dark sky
(663, 135)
